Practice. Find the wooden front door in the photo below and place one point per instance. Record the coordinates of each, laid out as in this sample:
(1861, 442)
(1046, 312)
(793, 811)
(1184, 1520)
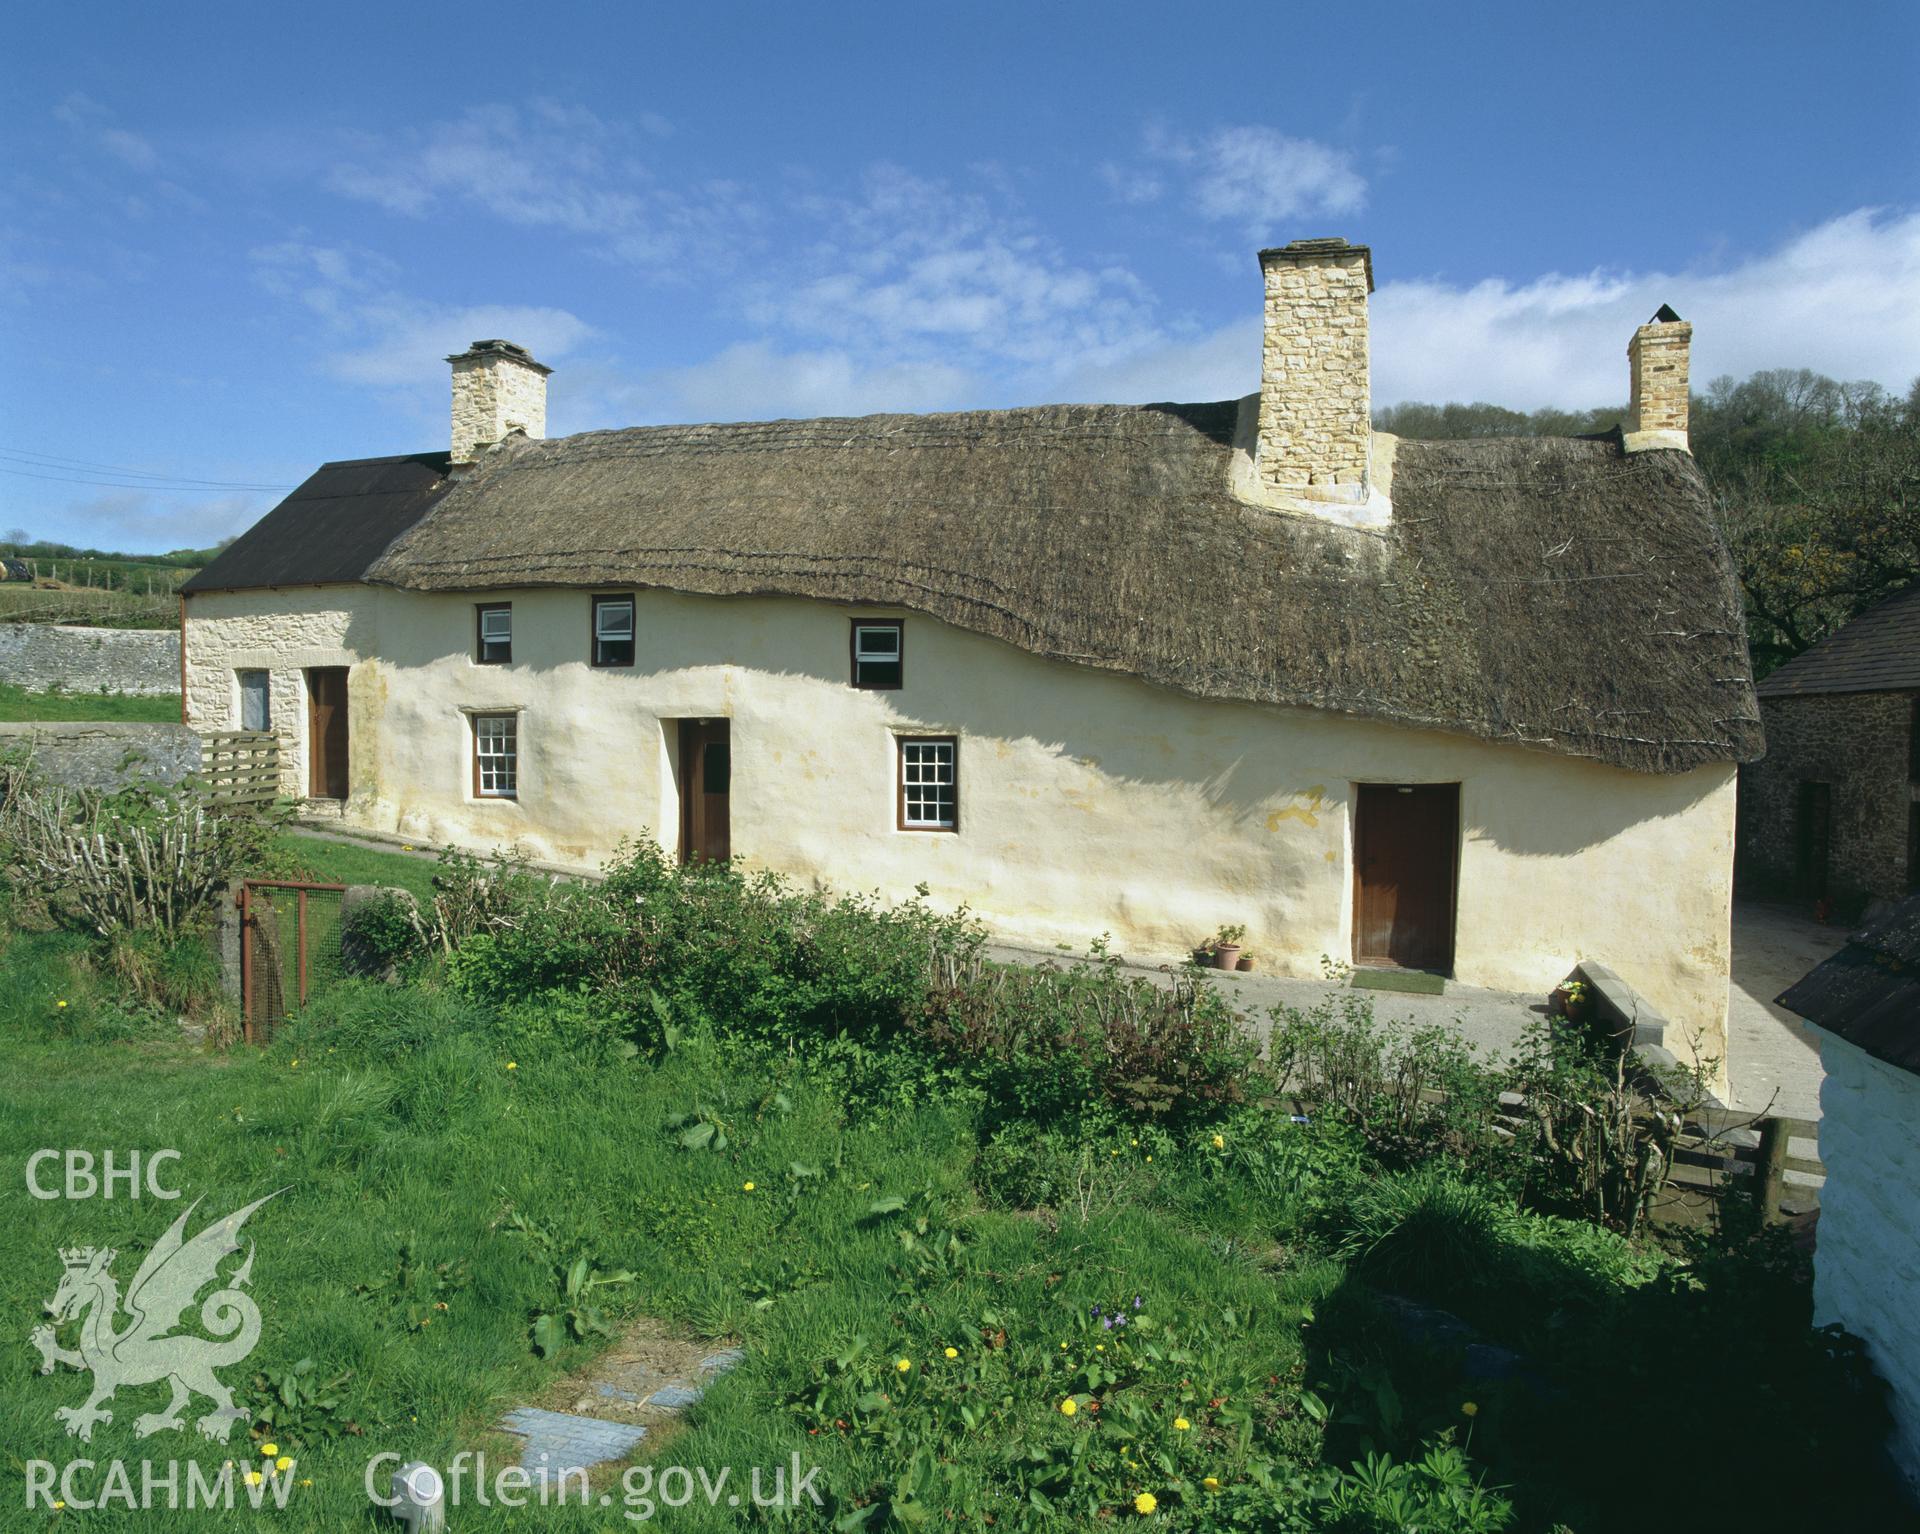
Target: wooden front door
(1406, 842)
(327, 732)
(706, 769)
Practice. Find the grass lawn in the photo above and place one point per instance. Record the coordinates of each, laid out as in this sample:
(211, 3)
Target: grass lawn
(989, 1285)
(17, 704)
(340, 862)
(405, 1122)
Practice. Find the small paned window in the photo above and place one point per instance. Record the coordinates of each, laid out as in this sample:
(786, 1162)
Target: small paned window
(495, 646)
(929, 783)
(613, 631)
(877, 653)
(496, 756)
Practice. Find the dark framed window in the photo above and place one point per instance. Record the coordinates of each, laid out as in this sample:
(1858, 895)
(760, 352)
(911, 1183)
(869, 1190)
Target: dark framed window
(879, 653)
(496, 756)
(929, 775)
(493, 634)
(613, 631)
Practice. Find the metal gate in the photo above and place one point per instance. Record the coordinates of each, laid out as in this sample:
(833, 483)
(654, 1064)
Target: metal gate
(289, 949)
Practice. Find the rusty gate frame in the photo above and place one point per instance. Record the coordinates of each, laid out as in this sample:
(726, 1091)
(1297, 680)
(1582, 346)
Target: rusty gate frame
(247, 887)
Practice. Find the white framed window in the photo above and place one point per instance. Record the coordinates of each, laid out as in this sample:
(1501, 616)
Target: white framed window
(929, 782)
(613, 631)
(496, 756)
(494, 643)
(878, 653)
(256, 700)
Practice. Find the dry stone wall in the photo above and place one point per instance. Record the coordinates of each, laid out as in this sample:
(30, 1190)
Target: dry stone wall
(43, 657)
(108, 757)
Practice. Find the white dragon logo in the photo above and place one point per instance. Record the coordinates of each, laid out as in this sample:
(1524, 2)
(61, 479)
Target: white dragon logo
(147, 1349)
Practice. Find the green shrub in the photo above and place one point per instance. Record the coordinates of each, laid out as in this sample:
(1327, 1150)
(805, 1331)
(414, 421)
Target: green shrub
(383, 935)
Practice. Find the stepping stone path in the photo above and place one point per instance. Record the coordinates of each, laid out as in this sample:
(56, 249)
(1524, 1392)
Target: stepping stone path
(643, 1382)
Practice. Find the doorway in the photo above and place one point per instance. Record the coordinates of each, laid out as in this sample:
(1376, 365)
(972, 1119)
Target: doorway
(1406, 853)
(706, 771)
(1813, 840)
(327, 732)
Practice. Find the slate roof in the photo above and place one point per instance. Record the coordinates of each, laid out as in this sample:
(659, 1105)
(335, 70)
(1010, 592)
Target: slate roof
(1879, 651)
(332, 527)
(1869, 992)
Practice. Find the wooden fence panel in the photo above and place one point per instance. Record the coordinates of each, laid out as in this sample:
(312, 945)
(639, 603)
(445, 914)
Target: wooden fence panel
(240, 767)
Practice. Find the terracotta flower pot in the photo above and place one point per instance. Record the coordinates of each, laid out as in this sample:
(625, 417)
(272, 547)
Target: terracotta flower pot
(1246, 962)
(1226, 955)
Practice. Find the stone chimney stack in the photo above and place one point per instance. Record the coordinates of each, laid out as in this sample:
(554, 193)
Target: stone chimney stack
(497, 388)
(1657, 358)
(1316, 426)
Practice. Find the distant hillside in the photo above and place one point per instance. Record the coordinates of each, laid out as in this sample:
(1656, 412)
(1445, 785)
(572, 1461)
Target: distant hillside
(66, 584)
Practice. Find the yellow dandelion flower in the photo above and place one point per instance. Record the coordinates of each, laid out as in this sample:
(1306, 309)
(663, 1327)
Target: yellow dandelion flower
(513, 1065)
(1468, 1409)
(903, 1364)
(953, 1352)
(1181, 1425)
(746, 1187)
(1219, 1142)
(269, 1449)
(254, 1477)
(295, 1066)
(1063, 1347)
(1145, 1503)
(1211, 1482)
(283, 1463)
(306, 1480)
(1099, 1347)
(57, 1505)
(1068, 1407)
(1149, 1158)
(60, 1004)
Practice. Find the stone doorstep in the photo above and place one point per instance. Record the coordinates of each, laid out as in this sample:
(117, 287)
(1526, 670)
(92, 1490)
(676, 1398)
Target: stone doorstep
(560, 1442)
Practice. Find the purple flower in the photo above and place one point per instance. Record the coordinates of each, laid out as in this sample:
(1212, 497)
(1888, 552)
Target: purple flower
(1136, 1302)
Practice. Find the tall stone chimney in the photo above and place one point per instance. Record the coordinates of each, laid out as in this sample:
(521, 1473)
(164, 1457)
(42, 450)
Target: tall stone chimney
(1657, 358)
(497, 388)
(1315, 429)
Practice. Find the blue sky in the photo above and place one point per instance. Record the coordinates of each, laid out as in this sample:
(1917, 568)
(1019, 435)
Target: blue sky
(237, 241)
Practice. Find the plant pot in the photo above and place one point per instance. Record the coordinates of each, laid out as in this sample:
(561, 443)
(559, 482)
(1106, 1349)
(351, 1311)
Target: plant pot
(1226, 955)
(1246, 962)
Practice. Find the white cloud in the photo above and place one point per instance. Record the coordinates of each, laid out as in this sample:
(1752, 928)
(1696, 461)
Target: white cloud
(549, 166)
(1842, 298)
(1252, 176)
(140, 519)
(756, 381)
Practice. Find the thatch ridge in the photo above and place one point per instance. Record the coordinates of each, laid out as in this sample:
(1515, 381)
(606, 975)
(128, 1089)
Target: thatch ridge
(1556, 593)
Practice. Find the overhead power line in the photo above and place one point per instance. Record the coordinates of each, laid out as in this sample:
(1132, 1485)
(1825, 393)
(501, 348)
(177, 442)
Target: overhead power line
(60, 465)
(121, 484)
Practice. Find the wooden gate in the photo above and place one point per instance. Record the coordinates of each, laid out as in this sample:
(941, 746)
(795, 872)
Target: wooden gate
(289, 949)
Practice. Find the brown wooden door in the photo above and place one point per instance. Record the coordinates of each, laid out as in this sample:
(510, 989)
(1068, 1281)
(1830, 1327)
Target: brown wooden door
(327, 732)
(1406, 841)
(706, 771)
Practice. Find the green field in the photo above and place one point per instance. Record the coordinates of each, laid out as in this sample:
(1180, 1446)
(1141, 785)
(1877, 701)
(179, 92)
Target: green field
(18, 705)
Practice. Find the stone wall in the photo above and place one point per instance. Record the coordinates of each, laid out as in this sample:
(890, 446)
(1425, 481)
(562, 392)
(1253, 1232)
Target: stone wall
(1866, 1275)
(44, 656)
(106, 756)
(1856, 743)
(1315, 425)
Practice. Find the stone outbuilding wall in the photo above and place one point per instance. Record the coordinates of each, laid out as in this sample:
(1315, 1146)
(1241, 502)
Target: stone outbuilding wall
(1862, 747)
(108, 757)
(43, 657)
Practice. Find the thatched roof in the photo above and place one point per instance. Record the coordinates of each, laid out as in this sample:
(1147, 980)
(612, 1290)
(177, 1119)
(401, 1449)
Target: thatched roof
(1554, 593)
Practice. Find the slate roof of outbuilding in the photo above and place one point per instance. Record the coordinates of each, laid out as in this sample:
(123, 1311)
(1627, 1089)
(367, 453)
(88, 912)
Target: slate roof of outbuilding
(1869, 992)
(1879, 651)
(332, 527)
